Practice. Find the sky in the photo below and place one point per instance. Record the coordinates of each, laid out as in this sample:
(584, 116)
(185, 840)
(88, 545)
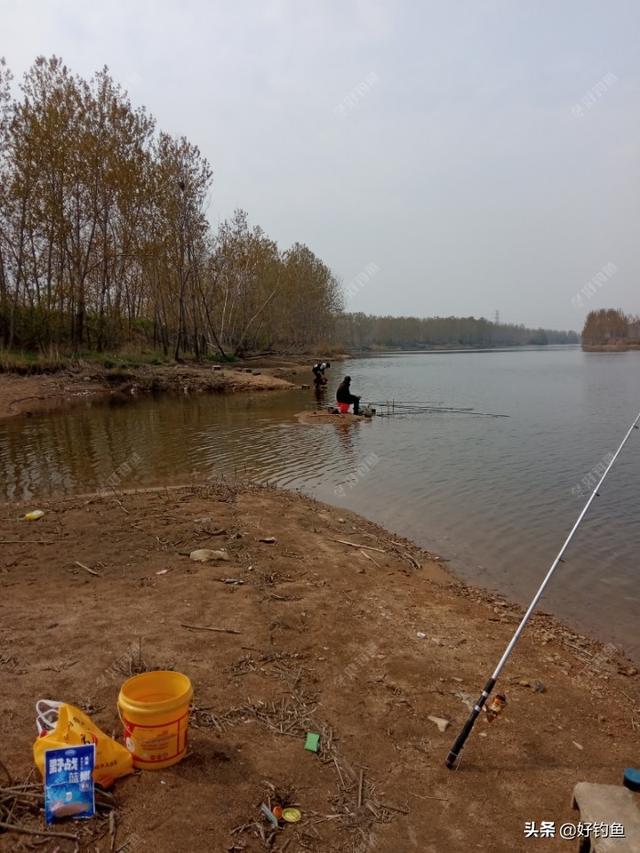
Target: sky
(443, 158)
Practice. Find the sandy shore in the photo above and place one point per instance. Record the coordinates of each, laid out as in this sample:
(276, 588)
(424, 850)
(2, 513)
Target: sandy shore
(355, 643)
(23, 395)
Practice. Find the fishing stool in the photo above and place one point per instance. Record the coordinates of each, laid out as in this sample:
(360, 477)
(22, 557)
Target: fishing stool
(608, 804)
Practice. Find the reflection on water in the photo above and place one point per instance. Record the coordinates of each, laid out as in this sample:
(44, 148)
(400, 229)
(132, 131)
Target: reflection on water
(496, 496)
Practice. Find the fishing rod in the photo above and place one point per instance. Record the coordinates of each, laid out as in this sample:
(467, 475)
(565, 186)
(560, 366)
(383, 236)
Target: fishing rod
(396, 409)
(459, 742)
(393, 404)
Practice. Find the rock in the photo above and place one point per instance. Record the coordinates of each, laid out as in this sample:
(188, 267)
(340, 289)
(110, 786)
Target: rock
(204, 555)
(577, 745)
(466, 698)
(421, 636)
(206, 519)
(440, 722)
(536, 686)
(270, 540)
(341, 521)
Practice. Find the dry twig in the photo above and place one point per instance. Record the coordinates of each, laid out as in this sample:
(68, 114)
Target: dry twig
(358, 545)
(208, 628)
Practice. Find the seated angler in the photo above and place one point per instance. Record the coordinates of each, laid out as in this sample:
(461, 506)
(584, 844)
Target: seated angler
(345, 398)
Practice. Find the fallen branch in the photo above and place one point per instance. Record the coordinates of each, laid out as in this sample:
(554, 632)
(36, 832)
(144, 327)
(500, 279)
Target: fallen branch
(207, 628)
(394, 808)
(358, 545)
(410, 559)
(86, 568)
(113, 829)
(14, 827)
(369, 557)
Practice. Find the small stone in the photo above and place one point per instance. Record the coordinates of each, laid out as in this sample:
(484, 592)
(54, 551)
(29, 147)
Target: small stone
(441, 723)
(630, 671)
(577, 745)
(421, 635)
(204, 555)
(270, 540)
(341, 521)
(206, 519)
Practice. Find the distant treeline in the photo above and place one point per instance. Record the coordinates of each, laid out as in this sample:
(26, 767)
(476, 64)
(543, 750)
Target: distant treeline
(104, 239)
(364, 331)
(611, 327)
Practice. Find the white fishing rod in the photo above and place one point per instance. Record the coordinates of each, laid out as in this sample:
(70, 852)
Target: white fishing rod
(459, 742)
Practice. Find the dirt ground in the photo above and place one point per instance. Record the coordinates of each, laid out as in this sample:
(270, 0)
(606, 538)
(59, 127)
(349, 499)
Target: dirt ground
(360, 644)
(24, 395)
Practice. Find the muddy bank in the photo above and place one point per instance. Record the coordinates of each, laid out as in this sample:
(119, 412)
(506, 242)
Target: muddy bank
(322, 416)
(361, 642)
(23, 395)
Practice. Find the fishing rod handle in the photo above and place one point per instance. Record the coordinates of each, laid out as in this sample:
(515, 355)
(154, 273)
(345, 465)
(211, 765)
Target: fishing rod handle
(456, 749)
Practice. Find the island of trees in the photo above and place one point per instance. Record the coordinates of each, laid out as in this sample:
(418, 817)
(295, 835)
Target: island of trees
(105, 244)
(611, 329)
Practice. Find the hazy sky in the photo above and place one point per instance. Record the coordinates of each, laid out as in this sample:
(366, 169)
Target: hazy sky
(473, 156)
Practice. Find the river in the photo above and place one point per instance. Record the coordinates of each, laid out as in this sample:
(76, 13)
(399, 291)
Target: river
(496, 496)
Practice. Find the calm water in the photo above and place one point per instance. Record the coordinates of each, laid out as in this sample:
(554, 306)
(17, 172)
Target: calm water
(496, 496)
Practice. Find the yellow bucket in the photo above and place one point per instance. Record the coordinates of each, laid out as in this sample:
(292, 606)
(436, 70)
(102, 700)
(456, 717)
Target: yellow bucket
(154, 709)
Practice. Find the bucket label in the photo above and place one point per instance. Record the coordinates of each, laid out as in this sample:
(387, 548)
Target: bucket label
(151, 744)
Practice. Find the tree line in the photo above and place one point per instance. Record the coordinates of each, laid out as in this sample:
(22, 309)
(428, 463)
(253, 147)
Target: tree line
(611, 327)
(365, 331)
(104, 237)
(105, 242)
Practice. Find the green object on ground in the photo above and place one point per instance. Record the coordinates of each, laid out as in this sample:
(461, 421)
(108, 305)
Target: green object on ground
(312, 742)
(292, 815)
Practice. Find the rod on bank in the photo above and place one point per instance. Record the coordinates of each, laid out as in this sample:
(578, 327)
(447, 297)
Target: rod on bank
(458, 744)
